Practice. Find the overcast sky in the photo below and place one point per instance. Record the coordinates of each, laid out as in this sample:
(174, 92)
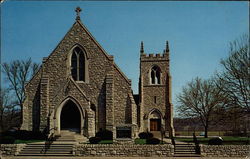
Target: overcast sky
(198, 32)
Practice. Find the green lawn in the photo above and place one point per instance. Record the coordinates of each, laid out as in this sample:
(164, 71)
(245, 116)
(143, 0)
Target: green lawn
(140, 141)
(143, 141)
(26, 141)
(227, 140)
(197, 133)
(106, 142)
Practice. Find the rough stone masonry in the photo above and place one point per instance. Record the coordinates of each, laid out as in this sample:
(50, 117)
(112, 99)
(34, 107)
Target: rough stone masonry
(80, 88)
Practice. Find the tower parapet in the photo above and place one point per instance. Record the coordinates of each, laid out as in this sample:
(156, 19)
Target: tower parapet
(155, 56)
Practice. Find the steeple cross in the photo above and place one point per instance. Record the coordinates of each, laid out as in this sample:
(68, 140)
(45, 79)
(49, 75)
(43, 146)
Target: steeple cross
(78, 10)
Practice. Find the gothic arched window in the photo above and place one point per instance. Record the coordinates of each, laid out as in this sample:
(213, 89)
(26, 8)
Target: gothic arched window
(78, 64)
(74, 66)
(155, 75)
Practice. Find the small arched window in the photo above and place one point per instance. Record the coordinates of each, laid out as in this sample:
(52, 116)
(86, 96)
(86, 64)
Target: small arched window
(78, 64)
(155, 75)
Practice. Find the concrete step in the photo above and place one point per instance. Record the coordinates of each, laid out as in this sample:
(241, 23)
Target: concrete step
(66, 141)
(187, 155)
(51, 146)
(185, 144)
(65, 132)
(40, 148)
(181, 148)
(61, 146)
(48, 151)
(184, 151)
(66, 137)
(54, 143)
(62, 139)
(45, 155)
(54, 149)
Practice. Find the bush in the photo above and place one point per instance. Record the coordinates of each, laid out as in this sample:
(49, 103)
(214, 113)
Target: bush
(94, 140)
(152, 141)
(105, 135)
(25, 135)
(215, 141)
(145, 135)
(29, 135)
(7, 140)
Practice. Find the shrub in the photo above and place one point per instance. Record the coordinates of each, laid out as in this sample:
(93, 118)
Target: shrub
(145, 135)
(7, 140)
(215, 141)
(105, 135)
(26, 135)
(152, 141)
(94, 140)
(29, 135)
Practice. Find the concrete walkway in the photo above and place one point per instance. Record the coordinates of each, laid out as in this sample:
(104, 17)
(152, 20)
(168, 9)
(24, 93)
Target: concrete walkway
(28, 157)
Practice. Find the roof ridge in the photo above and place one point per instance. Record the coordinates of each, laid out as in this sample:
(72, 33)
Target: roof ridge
(105, 53)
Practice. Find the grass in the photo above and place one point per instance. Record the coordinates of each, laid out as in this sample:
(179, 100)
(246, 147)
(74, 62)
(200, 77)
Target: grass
(140, 141)
(197, 133)
(26, 141)
(143, 141)
(227, 140)
(106, 142)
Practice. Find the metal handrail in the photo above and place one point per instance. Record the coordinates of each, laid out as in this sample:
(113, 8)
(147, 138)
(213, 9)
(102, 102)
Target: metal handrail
(48, 141)
(172, 141)
(197, 144)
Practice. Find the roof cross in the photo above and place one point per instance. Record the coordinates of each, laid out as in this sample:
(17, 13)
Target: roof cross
(78, 10)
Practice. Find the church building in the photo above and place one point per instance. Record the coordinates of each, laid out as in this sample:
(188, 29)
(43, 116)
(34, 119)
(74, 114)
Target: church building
(80, 88)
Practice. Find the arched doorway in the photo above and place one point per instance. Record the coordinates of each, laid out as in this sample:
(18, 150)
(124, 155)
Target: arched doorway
(70, 118)
(155, 121)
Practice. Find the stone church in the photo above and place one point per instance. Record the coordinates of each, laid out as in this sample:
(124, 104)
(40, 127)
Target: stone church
(80, 88)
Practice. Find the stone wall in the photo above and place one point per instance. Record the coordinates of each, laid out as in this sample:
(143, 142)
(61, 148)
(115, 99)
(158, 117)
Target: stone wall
(225, 150)
(131, 150)
(123, 150)
(10, 149)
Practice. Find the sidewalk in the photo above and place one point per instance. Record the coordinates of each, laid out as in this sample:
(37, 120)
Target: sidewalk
(28, 157)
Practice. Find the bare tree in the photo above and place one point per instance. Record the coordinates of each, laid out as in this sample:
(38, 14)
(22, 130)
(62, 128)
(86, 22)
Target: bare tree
(17, 73)
(200, 99)
(234, 80)
(8, 111)
(4, 100)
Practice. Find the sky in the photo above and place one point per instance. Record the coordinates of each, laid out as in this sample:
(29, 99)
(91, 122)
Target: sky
(199, 33)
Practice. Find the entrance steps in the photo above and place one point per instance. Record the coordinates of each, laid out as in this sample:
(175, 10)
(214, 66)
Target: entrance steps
(46, 149)
(70, 136)
(61, 146)
(185, 150)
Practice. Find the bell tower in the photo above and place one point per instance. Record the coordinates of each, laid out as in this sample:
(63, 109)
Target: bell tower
(155, 106)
